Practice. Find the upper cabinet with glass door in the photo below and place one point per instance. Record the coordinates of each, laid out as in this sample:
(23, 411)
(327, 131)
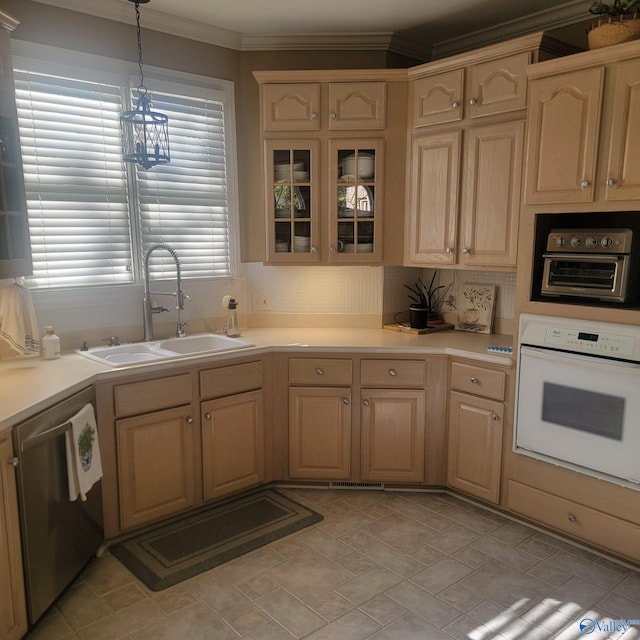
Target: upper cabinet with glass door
(15, 250)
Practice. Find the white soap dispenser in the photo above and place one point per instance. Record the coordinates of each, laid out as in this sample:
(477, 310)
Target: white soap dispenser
(50, 345)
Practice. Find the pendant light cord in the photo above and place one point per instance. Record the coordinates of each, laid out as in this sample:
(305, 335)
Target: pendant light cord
(142, 90)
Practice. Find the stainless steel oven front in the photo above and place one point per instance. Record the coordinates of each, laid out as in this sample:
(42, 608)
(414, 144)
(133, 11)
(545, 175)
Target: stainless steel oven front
(578, 396)
(589, 263)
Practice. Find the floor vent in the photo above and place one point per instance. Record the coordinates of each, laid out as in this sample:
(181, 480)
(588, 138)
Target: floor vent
(356, 485)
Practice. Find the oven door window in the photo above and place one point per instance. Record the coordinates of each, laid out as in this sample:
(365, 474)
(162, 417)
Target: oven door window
(589, 411)
(572, 272)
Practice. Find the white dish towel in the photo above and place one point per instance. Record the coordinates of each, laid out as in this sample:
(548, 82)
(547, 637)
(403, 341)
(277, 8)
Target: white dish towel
(84, 467)
(18, 324)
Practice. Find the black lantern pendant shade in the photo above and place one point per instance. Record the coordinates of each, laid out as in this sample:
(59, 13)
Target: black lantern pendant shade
(145, 133)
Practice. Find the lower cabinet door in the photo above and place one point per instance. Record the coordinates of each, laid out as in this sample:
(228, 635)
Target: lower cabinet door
(393, 423)
(232, 444)
(155, 465)
(475, 445)
(13, 611)
(320, 433)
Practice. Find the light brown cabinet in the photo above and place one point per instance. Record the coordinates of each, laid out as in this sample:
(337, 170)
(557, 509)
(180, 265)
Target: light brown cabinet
(465, 196)
(393, 420)
(299, 106)
(584, 134)
(476, 415)
(155, 465)
(13, 611)
(15, 248)
(487, 88)
(320, 418)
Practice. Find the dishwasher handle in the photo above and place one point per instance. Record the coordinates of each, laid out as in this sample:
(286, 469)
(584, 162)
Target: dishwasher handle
(38, 438)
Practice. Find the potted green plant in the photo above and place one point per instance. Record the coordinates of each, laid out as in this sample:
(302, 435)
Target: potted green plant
(619, 21)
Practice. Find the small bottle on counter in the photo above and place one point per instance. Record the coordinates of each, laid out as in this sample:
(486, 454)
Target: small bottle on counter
(233, 330)
(50, 345)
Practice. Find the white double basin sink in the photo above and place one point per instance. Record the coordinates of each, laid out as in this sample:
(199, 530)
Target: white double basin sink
(141, 352)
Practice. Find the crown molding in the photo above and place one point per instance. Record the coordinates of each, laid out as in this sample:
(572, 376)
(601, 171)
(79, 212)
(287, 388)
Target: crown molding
(563, 15)
(404, 44)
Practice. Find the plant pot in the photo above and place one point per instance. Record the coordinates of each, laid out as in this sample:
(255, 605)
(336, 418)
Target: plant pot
(614, 30)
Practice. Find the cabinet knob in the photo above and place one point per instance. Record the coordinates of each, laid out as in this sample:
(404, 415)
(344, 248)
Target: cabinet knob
(345, 400)
(495, 416)
(466, 251)
(365, 403)
(314, 115)
(320, 371)
(333, 249)
(189, 419)
(207, 415)
(585, 184)
(14, 462)
(473, 101)
(314, 249)
(610, 182)
(455, 104)
(449, 249)
(571, 518)
(473, 380)
(333, 115)
(392, 372)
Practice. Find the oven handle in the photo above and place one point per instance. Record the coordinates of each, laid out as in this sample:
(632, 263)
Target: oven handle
(555, 356)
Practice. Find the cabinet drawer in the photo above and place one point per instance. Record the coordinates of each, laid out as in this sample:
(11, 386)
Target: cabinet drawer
(393, 373)
(152, 395)
(320, 371)
(225, 381)
(575, 519)
(477, 380)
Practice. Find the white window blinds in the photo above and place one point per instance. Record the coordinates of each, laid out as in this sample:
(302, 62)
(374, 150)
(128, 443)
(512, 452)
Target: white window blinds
(75, 180)
(90, 215)
(185, 203)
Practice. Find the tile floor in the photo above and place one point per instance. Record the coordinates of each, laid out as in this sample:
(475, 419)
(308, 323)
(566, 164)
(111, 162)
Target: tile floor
(381, 565)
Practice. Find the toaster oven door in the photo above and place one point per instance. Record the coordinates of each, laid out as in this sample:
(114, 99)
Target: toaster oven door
(603, 277)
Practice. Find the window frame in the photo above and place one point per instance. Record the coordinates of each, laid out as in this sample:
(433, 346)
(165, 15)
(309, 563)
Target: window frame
(56, 61)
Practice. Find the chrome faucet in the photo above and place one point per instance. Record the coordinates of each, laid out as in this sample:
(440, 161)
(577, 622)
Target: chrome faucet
(148, 308)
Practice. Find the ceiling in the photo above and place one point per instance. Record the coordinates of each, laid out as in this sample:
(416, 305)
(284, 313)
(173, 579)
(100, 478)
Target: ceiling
(427, 28)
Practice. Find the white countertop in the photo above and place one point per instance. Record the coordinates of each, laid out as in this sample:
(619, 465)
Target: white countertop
(30, 385)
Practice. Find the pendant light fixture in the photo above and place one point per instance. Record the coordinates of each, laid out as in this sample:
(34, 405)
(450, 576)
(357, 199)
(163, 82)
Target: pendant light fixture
(145, 133)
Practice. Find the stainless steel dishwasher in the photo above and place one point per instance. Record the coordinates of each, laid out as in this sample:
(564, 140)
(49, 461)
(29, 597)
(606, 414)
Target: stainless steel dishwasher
(59, 537)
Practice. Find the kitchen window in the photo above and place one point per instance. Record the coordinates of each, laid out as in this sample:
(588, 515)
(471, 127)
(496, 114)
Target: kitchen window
(90, 214)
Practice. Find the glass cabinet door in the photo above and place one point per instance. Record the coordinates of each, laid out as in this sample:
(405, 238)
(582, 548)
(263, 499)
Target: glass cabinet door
(292, 201)
(356, 203)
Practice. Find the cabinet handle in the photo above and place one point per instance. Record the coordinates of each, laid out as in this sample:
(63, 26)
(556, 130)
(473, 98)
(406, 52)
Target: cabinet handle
(495, 416)
(14, 462)
(473, 380)
(571, 518)
(345, 400)
(466, 251)
(207, 415)
(455, 104)
(585, 184)
(333, 249)
(473, 101)
(610, 182)
(189, 419)
(449, 249)
(333, 115)
(392, 372)
(314, 249)
(320, 371)
(314, 115)
(365, 403)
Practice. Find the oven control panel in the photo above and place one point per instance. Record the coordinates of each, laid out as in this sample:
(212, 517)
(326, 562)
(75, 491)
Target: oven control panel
(605, 344)
(609, 241)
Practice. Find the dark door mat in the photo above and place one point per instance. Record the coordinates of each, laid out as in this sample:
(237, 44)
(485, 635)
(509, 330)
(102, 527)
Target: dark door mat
(183, 548)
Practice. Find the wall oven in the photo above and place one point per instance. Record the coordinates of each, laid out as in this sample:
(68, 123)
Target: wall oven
(578, 396)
